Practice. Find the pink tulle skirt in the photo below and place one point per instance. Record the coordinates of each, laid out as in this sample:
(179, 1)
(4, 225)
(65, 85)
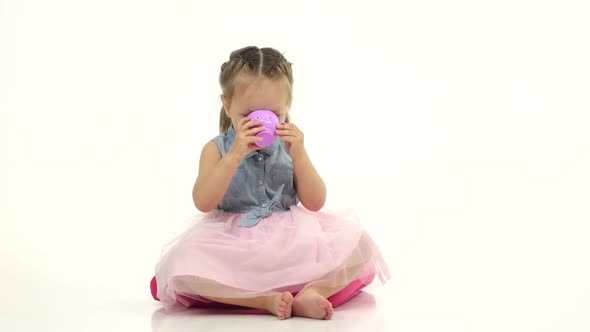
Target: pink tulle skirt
(286, 251)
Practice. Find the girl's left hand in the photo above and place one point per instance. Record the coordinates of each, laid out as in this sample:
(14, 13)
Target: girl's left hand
(293, 137)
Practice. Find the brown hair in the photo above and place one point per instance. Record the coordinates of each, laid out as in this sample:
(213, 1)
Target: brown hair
(266, 62)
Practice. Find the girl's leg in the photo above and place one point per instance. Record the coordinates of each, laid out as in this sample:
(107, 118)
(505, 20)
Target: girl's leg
(278, 304)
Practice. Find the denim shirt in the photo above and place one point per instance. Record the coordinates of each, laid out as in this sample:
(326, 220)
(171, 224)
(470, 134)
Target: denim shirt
(263, 183)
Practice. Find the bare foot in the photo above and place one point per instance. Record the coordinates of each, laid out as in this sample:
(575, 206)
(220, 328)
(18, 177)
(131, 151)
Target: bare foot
(313, 305)
(280, 305)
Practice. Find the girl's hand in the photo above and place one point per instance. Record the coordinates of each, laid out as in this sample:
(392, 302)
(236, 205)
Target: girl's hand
(293, 137)
(244, 142)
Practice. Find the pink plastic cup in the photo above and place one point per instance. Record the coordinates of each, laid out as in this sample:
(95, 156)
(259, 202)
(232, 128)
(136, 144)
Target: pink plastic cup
(269, 121)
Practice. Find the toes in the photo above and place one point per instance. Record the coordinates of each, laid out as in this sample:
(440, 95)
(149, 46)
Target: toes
(286, 299)
(285, 306)
(281, 313)
(327, 306)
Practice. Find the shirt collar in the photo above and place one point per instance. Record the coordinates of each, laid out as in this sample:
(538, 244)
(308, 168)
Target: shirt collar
(231, 133)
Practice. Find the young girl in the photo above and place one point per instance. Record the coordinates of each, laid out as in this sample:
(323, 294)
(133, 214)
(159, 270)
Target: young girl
(254, 245)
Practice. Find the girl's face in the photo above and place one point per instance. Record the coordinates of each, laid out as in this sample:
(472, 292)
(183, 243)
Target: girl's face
(254, 93)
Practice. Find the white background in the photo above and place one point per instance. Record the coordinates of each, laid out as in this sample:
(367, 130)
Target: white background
(457, 129)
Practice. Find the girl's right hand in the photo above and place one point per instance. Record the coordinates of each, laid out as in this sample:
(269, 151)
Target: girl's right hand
(244, 143)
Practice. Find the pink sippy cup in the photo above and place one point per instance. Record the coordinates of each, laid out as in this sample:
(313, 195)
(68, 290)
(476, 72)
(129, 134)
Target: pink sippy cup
(269, 121)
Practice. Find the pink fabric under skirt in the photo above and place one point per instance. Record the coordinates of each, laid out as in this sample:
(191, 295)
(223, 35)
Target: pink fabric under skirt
(286, 251)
